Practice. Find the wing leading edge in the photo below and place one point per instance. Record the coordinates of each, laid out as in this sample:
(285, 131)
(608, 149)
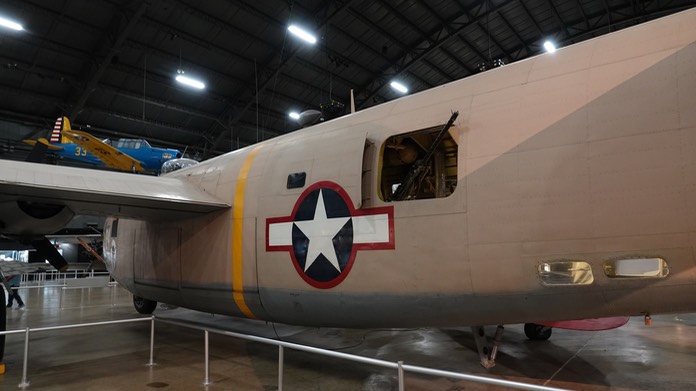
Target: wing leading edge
(111, 156)
(96, 192)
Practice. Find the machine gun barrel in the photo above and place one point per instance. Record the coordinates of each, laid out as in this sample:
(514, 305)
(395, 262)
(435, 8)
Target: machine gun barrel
(415, 175)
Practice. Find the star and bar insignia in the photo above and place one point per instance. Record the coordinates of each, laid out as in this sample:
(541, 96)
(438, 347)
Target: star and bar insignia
(324, 232)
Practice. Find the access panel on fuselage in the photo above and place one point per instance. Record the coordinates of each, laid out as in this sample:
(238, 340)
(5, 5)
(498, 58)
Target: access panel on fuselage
(313, 187)
(157, 255)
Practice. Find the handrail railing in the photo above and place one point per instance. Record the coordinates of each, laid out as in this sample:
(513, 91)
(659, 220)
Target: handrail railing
(352, 357)
(40, 278)
(399, 365)
(27, 331)
(112, 285)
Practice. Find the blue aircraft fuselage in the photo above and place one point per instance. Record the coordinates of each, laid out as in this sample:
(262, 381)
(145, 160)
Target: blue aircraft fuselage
(150, 158)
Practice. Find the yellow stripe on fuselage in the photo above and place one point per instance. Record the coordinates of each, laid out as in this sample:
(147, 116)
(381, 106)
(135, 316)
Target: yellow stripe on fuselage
(237, 225)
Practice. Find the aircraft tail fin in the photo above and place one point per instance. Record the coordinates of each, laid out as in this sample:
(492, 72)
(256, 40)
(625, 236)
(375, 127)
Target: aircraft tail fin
(62, 124)
(38, 152)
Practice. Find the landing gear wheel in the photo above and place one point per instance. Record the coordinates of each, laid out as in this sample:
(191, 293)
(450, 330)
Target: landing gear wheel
(144, 306)
(537, 332)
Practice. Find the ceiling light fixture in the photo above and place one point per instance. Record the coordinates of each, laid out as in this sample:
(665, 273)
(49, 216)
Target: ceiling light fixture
(302, 34)
(185, 80)
(549, 46)
(10, 24)
(294, 115)
(399, 87)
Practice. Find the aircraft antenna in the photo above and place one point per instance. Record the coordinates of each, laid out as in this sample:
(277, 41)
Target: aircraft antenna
(352, 101)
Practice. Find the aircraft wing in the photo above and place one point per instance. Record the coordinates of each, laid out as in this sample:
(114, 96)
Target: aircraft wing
(44, 142)
(10, 268)
(95, 192)
(111, 156)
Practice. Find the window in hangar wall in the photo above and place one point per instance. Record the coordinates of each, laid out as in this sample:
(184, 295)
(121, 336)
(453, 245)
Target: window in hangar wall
(416, 166)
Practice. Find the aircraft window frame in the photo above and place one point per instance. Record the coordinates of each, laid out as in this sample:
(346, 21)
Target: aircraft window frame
(131, 143)
(636, 267)
(401, 153)
(296, 180)
(114, 228)
(565, 273)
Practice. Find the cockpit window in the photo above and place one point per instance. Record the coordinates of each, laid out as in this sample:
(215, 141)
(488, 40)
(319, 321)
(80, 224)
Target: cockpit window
(176, 164)
(419, 165)
(132, 143)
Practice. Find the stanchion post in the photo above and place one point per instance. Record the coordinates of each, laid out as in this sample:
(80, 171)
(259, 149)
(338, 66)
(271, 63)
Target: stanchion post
(281, 364)
(401, 375)
(152, 343)
(25, 381)
(206, 381)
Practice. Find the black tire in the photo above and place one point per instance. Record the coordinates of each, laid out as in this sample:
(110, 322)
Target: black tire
(144, 306)
(537, 332)
(3, 323)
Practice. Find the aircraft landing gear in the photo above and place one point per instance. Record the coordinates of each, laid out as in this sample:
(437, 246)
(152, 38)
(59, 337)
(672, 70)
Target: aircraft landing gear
(537, 332)
(487, 351)
(144, 306)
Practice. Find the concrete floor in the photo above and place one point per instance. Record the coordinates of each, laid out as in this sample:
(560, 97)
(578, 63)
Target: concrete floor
(635, 357)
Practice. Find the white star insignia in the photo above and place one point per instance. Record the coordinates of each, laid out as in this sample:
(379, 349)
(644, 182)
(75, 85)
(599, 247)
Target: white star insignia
(320, 231)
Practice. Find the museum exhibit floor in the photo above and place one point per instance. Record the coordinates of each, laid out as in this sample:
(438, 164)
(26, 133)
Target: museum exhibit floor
(115, 357)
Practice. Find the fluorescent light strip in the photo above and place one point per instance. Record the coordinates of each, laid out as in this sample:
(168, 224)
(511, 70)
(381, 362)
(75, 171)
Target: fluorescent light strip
(549, 46)
(302, 34)
(399, 87)
(190, 82)
(10, 24)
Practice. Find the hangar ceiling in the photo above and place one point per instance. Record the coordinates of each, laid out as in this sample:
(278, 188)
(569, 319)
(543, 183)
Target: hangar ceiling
(110, 64)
